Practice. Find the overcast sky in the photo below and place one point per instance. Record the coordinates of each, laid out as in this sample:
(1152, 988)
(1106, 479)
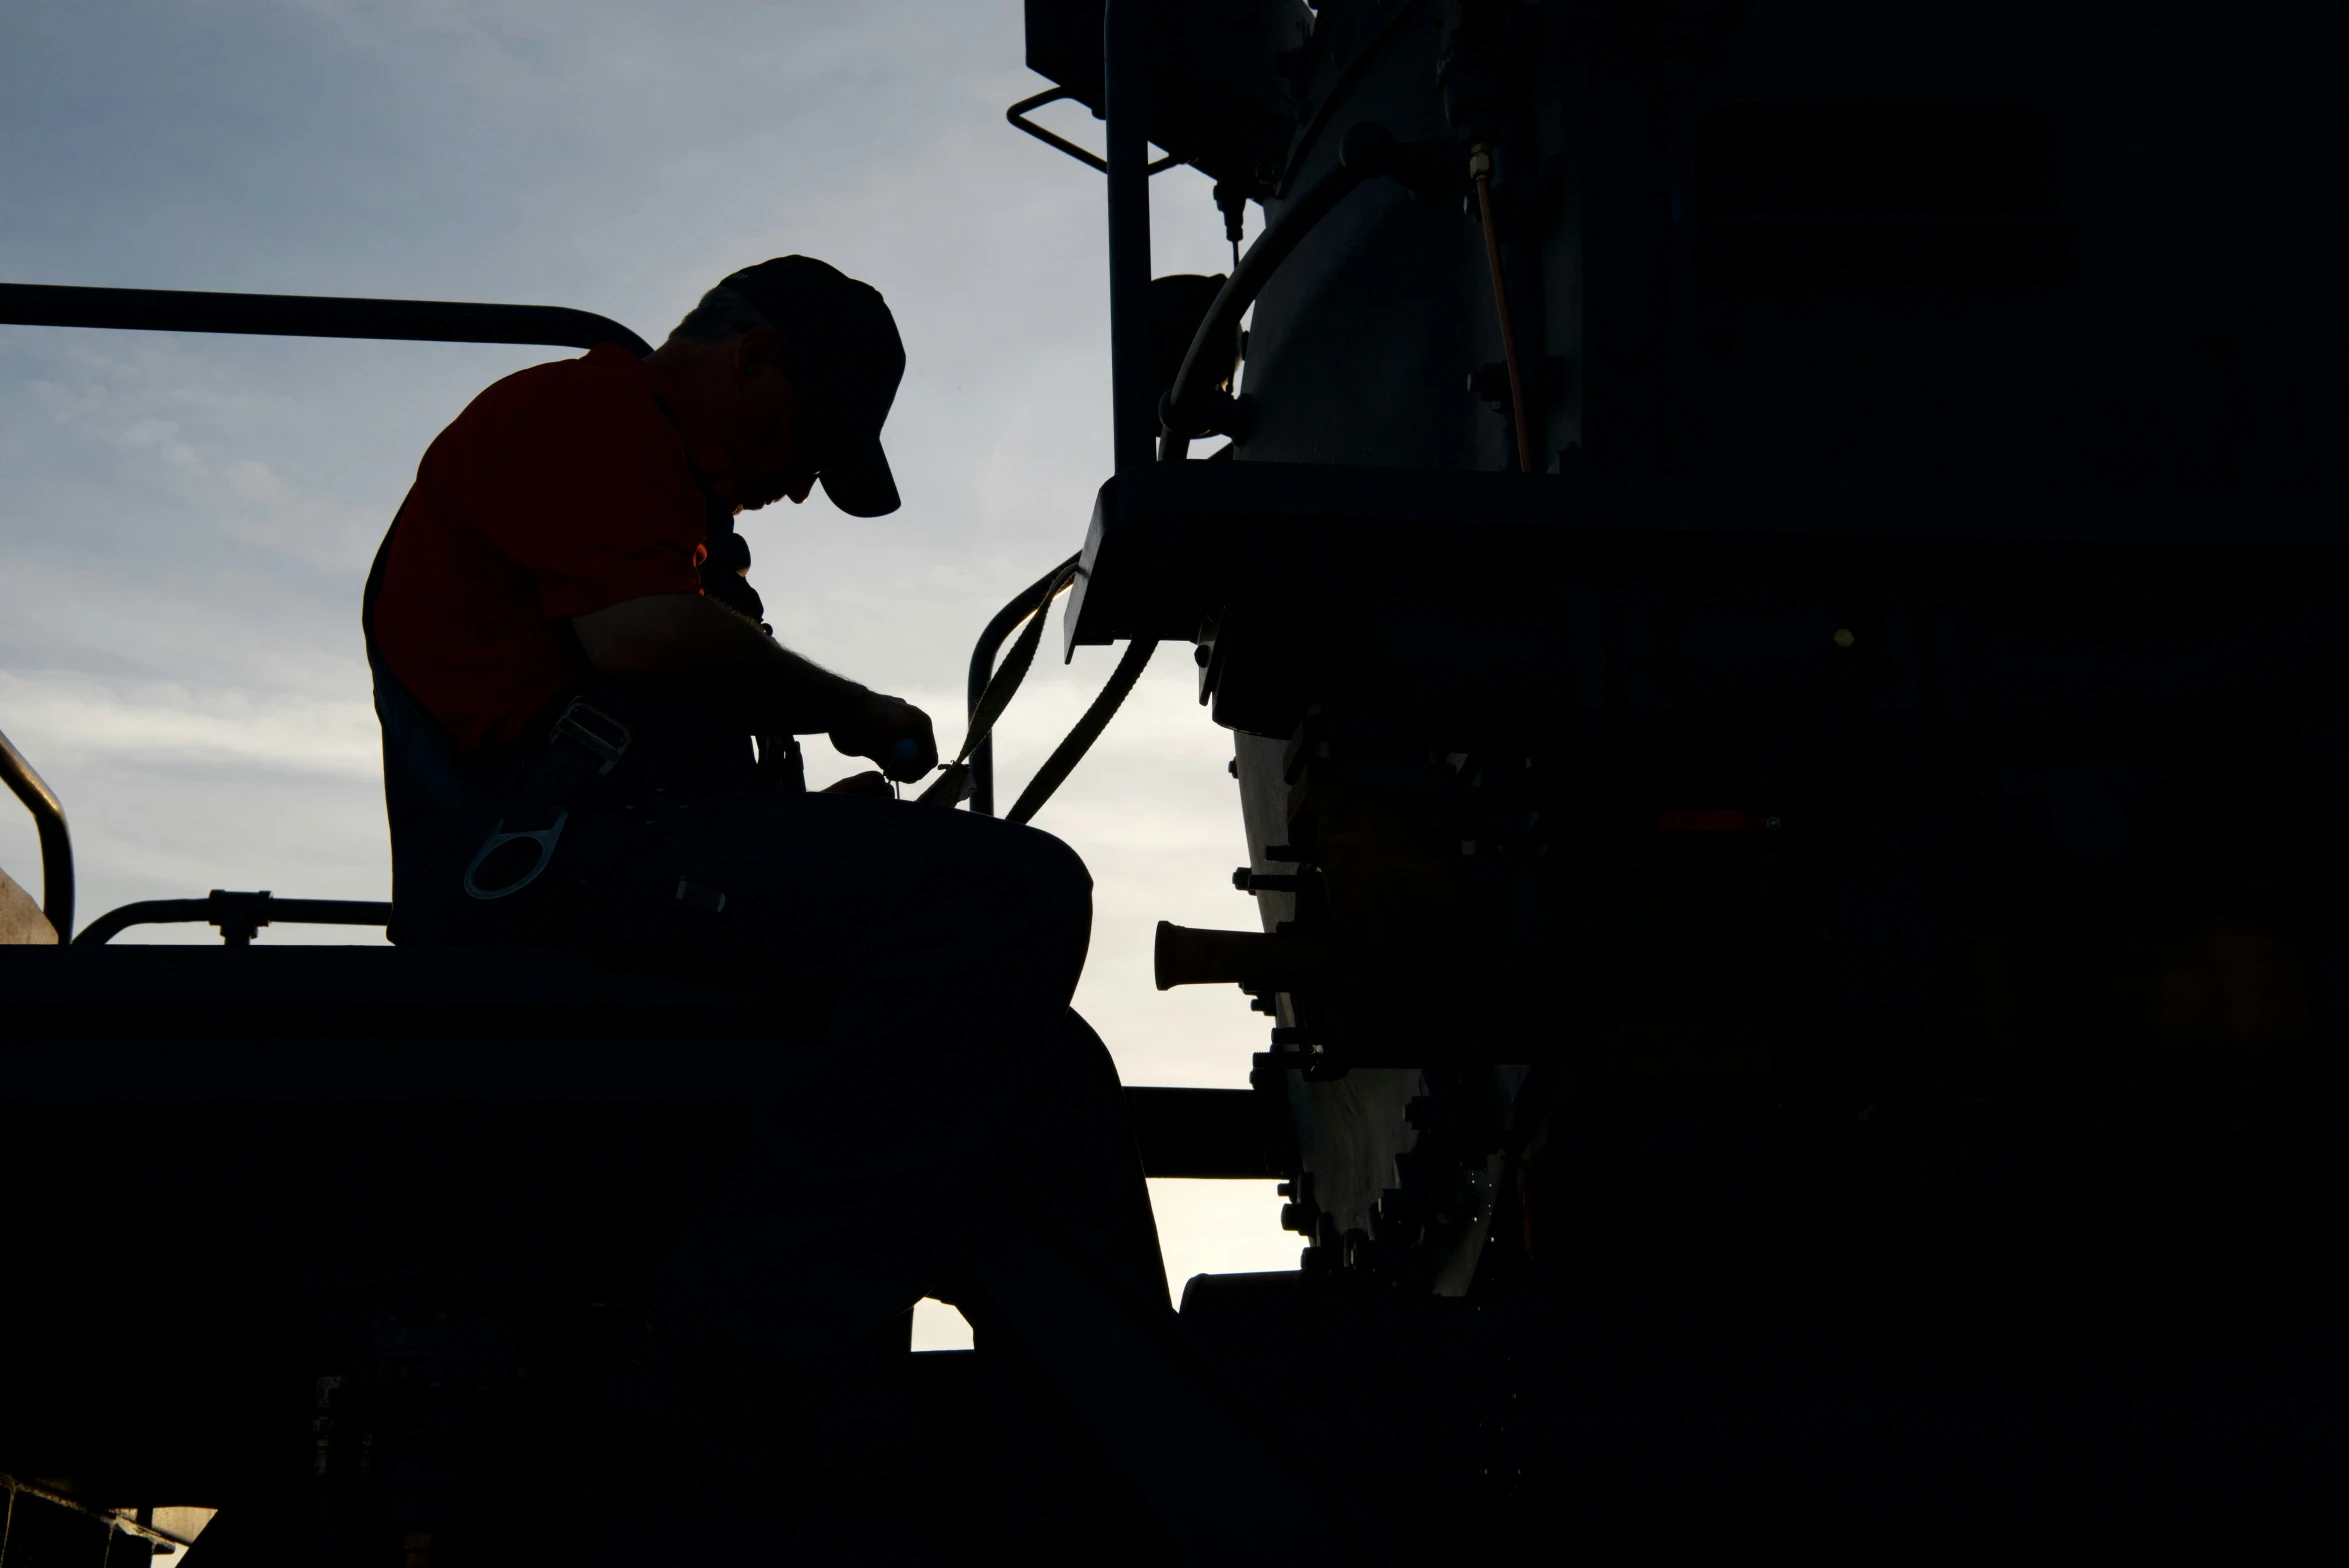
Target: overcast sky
(185, 521)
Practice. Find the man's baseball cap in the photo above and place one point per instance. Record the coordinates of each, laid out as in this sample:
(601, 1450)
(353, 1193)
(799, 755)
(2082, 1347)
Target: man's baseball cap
(842, 353)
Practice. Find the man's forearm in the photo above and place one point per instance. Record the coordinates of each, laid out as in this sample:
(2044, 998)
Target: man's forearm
(685, 636)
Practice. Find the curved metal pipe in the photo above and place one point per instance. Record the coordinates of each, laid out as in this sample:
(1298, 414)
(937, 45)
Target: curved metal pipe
(56, 841)
(1190, 405)
(309, 316)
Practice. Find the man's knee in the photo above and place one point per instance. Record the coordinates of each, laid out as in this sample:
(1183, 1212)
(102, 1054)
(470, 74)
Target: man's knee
(1055, 872)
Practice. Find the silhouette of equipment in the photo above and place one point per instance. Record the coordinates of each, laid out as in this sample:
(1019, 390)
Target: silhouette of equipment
(1777, 599)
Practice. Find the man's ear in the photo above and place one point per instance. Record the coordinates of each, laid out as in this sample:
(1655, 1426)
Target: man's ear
(759, 352)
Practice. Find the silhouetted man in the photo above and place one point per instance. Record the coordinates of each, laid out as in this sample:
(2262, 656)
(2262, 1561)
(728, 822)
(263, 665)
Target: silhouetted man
(567, 720)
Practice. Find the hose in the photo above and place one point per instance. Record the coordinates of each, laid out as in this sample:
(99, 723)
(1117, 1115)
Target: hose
(1367, 151)
(1027, 613)
(981, 793)
(1072, 750)
(954, 780)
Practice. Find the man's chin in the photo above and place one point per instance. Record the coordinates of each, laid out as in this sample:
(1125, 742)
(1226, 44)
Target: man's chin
(753, 499)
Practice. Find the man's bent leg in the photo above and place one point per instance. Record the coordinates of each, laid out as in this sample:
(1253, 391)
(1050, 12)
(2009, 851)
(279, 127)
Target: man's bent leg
(949, 945)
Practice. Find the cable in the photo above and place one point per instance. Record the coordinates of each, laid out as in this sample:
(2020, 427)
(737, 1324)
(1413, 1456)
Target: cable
(982, 675)
(953, 781)
(1480, 168)
(1071, 751)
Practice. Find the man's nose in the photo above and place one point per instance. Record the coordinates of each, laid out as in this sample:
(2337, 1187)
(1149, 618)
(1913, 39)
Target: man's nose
(799, 490)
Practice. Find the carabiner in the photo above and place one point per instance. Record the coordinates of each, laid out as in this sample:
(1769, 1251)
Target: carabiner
(544, 838)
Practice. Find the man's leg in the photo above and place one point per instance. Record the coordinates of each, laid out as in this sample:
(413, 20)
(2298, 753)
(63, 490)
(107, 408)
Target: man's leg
(958, 1129)
(947, 947)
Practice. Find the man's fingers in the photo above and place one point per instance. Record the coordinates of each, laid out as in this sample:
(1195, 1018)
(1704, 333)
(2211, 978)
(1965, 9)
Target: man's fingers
(896, 735)
(861, 784)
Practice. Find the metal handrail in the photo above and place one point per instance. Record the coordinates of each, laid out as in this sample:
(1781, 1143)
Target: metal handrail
(56, 841)
(309, 316)
(1017, 115)
(238, 915)
(263, 315)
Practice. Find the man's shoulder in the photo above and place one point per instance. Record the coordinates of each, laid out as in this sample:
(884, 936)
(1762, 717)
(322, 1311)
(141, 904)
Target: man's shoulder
(607, 381)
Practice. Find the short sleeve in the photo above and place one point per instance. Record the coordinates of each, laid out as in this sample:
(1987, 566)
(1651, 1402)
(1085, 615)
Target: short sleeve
(603, 505)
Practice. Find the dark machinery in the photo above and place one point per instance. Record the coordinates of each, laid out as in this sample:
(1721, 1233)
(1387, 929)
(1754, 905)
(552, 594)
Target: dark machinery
(1774, 574)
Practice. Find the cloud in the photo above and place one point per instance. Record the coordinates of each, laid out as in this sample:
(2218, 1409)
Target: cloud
(77, 720)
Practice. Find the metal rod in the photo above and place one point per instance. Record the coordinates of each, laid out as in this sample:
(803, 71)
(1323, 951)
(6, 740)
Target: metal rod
(310, 316)
(1134, 422)
(145, 1531)
(56, 840)
(1481, 164)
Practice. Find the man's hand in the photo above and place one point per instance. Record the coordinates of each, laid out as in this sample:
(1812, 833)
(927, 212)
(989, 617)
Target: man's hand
(894, 733)
(861, 784)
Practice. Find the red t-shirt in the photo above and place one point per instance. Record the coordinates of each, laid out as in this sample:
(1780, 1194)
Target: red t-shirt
(562, 489)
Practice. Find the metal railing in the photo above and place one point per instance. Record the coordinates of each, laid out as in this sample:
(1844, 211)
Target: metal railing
(56, 841)
(240, 916)
(266, 315)
(309, 316)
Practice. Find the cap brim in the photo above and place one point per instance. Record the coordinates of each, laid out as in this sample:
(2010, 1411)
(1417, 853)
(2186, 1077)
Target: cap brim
(859, 482)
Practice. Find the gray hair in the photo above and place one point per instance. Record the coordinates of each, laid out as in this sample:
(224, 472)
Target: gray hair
(722, 315)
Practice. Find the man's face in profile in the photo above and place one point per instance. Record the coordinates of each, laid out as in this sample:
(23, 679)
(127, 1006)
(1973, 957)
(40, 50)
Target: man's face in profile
(774, 435)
